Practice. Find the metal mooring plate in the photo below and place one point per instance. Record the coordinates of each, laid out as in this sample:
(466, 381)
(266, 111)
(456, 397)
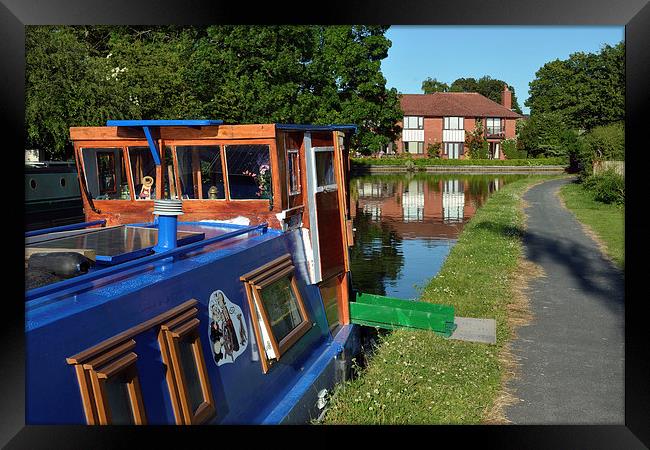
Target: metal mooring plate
(475, 330)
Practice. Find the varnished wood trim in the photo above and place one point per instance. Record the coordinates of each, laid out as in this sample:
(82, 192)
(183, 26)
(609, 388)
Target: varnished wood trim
(253, 273)
(275, 277)
(180, 319)
(85, 355)
(123, 367)
(267, 324)
(206, 409)
(271, 271)
(85, 388)
(116, 367)
(110, 355)
(170, 377)
(256, 328)
(248, 131)
(126, 158)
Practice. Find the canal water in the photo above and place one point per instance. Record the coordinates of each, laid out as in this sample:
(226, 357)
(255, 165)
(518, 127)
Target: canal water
(406, 225)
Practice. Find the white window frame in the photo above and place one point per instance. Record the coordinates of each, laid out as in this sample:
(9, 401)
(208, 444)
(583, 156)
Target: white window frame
(456, 121)
(419, 122)
(327, 187)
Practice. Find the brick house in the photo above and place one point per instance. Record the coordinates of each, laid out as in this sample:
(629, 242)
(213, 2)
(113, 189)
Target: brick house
(444, 117)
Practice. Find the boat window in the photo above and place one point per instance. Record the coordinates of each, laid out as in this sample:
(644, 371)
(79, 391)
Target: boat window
(187, 377)
(105, 172)
(325, 168)
(168, 173)
(110, 388)
(143, 169)
(294, 172)
(200, 172)
(249, 172)
(282, 318)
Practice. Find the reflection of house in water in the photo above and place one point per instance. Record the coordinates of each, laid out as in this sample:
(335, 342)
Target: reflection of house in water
(453, 201)
(416, 207)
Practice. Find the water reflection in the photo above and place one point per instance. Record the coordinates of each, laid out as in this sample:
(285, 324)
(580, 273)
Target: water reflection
(407, 224)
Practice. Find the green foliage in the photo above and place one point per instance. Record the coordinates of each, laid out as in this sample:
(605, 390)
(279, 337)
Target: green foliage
(423, 162)
(606, 187)
(607, 142)
(82, 76)
(431, 85)
(434, 150)
(486, 86)
(477, 145)
(542, 135)
(587, 88)
(510, 150)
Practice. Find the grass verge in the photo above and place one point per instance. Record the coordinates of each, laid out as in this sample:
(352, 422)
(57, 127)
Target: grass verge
(418, 377)
(606, 223)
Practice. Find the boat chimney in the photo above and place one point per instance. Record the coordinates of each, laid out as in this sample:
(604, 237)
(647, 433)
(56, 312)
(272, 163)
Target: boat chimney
(167, 211)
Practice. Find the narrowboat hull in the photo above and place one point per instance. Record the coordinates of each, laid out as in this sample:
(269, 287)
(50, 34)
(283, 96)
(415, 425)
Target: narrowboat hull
(132, 305)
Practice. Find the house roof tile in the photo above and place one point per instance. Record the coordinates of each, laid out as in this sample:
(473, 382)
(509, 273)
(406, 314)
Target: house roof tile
(465, 104)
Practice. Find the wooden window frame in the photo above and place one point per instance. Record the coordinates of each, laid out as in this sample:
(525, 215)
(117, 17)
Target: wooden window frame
(100, 356)
(185, 326)
(93, 376)
(174, 150)
(257, 280)
(296, 168)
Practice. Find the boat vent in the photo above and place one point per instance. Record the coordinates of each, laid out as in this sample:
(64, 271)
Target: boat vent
(168, 207)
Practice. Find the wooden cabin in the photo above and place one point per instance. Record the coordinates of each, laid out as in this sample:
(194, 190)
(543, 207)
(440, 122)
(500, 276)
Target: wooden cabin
(286, 175)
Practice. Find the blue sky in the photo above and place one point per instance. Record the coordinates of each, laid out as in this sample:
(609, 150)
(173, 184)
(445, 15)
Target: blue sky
(509, 53)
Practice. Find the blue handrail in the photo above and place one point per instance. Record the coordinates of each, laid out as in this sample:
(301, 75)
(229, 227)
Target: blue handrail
(74, 226)
(87, 278)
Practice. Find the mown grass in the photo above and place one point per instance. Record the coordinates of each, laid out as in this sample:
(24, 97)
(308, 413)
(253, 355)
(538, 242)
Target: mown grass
(418, 377)
(423, 162)
(607, 221)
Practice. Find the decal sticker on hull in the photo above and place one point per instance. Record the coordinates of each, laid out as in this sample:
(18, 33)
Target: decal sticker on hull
(227, 332)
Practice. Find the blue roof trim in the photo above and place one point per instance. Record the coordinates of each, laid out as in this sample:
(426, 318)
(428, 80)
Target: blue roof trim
(162, 123)
(300, 127)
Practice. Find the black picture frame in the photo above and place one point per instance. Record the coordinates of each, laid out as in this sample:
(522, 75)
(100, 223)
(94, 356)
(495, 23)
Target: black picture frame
(633, 14)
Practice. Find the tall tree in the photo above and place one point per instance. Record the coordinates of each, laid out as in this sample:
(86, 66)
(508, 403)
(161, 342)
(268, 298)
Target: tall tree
(486, 86)
(81, 76)
(588, 89)
(431, 85)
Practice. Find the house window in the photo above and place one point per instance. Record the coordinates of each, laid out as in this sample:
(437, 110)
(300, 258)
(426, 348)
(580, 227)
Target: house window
(281, 316)
(454, 123)
(105, 172)
(413, 123)
(110, 388)
(187, 376)
(143, 173)
(200, 172)
(294, 172)
(414, 147)
(494, 125)
(249, 172)
(324, 168)
(453, 150)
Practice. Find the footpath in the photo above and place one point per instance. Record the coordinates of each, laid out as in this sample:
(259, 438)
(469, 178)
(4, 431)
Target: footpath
(571, 355)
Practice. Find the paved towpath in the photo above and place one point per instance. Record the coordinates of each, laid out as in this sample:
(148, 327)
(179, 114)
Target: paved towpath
(572, 353)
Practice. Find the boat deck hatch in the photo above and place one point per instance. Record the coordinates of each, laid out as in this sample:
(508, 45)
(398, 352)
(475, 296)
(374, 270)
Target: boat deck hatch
(116, 244)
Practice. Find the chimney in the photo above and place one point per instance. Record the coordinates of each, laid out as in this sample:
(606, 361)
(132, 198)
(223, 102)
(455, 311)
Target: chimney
(506, 97)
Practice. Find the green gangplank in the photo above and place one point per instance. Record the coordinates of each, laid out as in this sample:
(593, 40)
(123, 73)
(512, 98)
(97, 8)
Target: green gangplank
(393, 313)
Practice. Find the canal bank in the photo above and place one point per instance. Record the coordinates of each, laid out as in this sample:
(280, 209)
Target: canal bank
(419, 377)
(359, 169)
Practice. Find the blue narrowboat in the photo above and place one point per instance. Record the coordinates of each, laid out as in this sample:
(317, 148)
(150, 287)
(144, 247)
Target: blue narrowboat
(209, 282)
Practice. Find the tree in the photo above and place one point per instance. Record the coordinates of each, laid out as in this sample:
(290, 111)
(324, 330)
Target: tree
(477, 145)
(544, 135)
(82, 76)
(431, 85)
(486, 86)
(588, 89)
